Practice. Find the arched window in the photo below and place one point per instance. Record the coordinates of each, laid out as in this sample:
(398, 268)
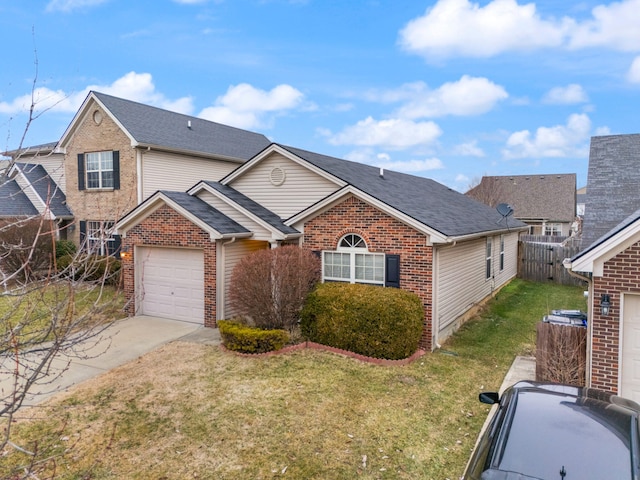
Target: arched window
(352, 262)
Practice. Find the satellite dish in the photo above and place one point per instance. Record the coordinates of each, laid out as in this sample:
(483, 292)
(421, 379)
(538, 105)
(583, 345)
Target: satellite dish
(505, 209)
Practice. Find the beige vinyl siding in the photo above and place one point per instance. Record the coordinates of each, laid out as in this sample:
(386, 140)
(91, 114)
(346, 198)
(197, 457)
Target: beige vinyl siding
(300, 189)
(54, 165)
(31, 195)
(461, 278)
(259, 232)
(165, 171)
(233, 253)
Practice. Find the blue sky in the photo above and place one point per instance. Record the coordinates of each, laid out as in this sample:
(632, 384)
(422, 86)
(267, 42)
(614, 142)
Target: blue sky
(448, 89)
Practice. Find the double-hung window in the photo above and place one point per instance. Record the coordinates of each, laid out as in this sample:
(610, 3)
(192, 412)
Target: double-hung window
(501, 252)
(352, 262)
(98, 237)
(99, 170)
(552, 229)
(489, 258)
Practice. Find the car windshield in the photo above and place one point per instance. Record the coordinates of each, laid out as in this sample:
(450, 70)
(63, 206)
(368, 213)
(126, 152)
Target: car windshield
(585, 440)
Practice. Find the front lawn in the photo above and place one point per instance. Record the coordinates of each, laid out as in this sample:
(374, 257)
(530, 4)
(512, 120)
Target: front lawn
(33, 309)
(196, 411)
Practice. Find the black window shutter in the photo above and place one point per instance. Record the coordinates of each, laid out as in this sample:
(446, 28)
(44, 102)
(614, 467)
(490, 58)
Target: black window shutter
(116, 244)
(116, 170)
(392, 271)
(81, 185)
(83, 234)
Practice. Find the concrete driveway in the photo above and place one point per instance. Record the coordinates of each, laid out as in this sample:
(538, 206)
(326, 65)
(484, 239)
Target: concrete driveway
(122, 342)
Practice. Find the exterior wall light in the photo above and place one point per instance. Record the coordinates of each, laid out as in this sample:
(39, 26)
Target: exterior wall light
(605, 304)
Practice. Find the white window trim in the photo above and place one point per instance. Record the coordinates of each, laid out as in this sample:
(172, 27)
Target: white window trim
(353, 253)
(502, 242)
(100, 237)
(100, 171)
(489, 259)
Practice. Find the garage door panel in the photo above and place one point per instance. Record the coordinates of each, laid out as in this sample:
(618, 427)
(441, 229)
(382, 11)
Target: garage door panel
(170, 283)
(630, 364)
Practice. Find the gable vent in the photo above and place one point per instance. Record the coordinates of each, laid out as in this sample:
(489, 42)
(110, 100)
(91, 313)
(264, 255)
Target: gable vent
(277, 176)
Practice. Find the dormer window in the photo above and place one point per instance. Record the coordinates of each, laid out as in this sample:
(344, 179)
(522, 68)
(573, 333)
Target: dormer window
(99, 170)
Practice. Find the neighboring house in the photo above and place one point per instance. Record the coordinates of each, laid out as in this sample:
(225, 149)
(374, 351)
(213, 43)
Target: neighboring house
(31, 192)
(368, 225)
(547, 203)
(581, 199)
(610, 262)
(115, 153)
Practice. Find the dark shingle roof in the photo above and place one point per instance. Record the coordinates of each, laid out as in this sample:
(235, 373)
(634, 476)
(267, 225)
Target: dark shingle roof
(550, 197)
(13, 201)
(46, 188)
(205, 212)
(162, 128)
(613, 184)
(427, 201)
(253, 207)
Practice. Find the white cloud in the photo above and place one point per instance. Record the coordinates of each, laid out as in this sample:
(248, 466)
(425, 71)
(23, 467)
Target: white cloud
(245, 106)
(384, 160)
(134, 86)
(392, 133)
(69, 5)
(464, 28)
(469, 149)
(571, 94)
(467, 96)
(459, 27)
(633, 75)
(559, 141)
(613, 26)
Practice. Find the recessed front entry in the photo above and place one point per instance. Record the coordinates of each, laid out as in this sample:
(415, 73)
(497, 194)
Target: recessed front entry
(170, 283)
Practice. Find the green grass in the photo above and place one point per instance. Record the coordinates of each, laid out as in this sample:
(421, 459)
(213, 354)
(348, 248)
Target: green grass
(34, 310)
(195, 411)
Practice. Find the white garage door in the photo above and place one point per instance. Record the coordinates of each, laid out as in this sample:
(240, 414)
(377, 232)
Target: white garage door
(170, 283)
(630, 365)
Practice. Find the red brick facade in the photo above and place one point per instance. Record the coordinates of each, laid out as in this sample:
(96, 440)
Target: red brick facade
(166, 228)
(383, 234)
(621, 275)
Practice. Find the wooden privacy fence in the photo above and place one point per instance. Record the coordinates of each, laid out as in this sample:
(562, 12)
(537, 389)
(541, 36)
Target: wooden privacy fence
(561, 354)
(542, 262)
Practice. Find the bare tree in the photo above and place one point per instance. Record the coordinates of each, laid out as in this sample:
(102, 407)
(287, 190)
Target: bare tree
(269, 287)
(487, 190)
(561, 353)
(47, 312)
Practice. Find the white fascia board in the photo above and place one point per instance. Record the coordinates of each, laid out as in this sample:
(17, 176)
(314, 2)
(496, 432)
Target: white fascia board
(275, 233)
(152, 204)
(593, 260)
(275, 148)
(298, 220)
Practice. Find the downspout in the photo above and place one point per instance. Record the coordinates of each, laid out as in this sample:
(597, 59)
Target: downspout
(567, 265)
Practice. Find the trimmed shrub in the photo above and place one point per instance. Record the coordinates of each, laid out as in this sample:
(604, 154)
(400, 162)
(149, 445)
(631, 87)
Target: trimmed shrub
(268, 287)
(373, 321)
(65, 247)
(241, 338)
(90, 268)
